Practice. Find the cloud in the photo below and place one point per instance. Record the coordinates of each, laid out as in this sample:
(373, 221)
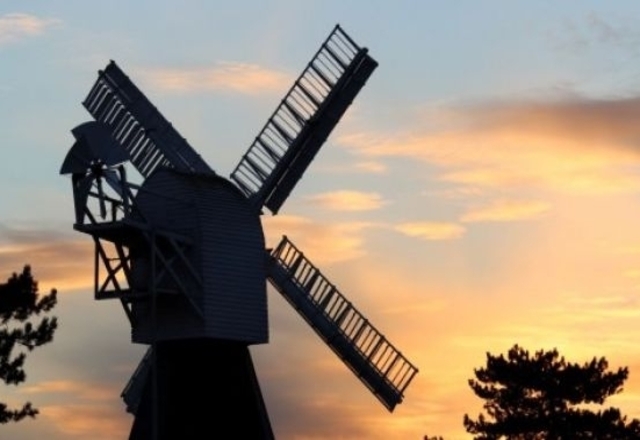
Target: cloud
(506, 210)
(85, 391)
(371, 167)
(364, 167)
(87, 420)
(249, 79)
(57, 259)
(579, 145)
(432, 231)
(603, 30)
(593, 30)
(323, 243)
(76, 408)
(349, 200)
(632, 273)
(17, 26)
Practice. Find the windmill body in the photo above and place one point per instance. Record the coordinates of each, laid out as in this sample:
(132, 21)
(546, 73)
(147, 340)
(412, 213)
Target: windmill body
(224, 290)
(184, 251)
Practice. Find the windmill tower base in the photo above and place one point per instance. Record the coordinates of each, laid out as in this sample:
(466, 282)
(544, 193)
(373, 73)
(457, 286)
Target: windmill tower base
(202, 386)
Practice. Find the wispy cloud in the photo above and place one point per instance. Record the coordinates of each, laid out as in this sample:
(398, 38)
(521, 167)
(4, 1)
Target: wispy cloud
(323, 243)
(57, 259)
(86, 420)
(360, 166)
(78, 409)
(16, 26)
(506, 210)
(579, 146)
(249, 79)
(632, 273)
(592, 30)
(371, 166)
(432, 231)
(88, 391)
(349, 200)
(605, 31)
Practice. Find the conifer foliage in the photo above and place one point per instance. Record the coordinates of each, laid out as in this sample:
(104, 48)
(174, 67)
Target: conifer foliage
(22, 330)
(541, 396)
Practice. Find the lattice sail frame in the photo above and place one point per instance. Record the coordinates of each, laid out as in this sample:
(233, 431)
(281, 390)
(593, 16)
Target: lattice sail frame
(366, 351)
(138, 126)
(299, 126)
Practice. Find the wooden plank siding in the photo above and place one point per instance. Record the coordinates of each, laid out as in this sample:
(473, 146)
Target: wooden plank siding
(227, 253)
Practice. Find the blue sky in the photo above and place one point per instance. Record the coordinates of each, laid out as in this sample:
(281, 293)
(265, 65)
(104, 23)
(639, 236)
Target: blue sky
(482, 191)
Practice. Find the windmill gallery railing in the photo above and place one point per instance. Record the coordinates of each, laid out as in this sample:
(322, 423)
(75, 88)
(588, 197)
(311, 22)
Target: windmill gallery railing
(378, 364)
(302, 122)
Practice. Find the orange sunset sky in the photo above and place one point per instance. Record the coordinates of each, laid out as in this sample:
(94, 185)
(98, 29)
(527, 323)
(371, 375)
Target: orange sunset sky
(483, 190)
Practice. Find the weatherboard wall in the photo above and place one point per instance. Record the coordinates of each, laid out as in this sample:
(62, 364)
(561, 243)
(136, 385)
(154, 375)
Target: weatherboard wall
(227, 297)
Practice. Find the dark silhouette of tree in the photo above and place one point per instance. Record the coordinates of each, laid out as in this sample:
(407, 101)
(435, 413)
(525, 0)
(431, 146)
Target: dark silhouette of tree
(541, 396)
(19, 334)
(435, 437)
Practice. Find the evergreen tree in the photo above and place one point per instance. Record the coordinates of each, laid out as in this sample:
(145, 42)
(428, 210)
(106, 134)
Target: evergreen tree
(541, 396)
(19, 334)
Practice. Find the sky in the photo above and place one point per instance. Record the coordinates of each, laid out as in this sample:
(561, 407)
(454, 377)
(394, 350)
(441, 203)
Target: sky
(482, 191)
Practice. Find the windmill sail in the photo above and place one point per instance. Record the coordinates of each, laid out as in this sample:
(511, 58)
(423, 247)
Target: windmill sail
(376, 362)
(148, 137)
(289, 141)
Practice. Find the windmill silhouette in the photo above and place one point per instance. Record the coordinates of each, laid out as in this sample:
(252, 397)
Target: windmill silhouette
(184, 251)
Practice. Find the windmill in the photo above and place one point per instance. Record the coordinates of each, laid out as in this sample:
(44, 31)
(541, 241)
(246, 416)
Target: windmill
(184, 251)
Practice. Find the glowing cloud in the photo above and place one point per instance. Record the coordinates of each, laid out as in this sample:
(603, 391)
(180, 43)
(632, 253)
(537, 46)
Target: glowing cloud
(16, 26)
(324, 243)
(632, 273)
(247, 79)
(364, 167)
(349, 201)
(58, 260)
(81, 421)
(88, 391)
(371, 167)
(506, 210)
(576, 146)
(431, 230)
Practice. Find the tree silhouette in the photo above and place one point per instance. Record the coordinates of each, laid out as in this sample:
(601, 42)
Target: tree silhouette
(19, 304)
(542, 396)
